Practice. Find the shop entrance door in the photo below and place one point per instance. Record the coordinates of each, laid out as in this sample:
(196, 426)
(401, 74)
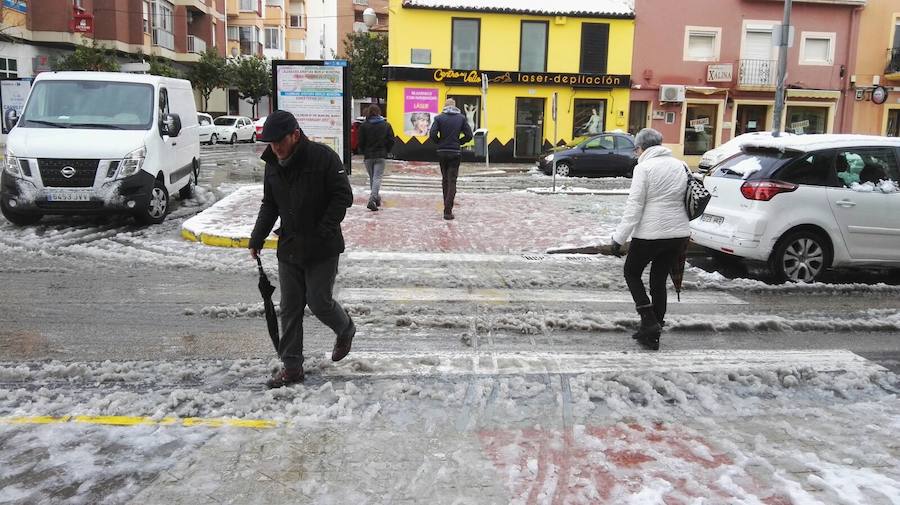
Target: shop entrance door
(529, 127)
(751, 118)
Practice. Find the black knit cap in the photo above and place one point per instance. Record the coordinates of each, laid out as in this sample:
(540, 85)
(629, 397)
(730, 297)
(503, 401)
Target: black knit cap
(279, 124)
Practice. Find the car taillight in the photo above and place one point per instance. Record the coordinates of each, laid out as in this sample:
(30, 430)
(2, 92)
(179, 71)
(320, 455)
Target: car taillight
(765, 190)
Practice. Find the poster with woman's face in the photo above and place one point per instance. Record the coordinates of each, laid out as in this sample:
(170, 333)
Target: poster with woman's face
(420, 106)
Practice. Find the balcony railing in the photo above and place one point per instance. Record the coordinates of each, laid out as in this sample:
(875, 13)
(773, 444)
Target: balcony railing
(893, 66)
(163, 38)
(196, 45)
(758, 73)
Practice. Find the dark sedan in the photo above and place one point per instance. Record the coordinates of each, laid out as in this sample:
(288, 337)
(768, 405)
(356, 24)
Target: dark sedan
(606, 154)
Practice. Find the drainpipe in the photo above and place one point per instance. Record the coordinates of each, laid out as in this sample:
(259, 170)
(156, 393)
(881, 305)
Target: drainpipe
(852, 48)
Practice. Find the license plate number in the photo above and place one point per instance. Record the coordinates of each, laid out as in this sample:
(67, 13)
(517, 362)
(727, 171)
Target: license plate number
(69, 196)
(709, 218)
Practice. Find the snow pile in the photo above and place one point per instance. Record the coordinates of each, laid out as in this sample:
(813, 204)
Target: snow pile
(883, 186)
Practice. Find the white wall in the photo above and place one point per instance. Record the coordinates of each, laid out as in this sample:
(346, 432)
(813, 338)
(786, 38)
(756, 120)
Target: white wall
(321, 34)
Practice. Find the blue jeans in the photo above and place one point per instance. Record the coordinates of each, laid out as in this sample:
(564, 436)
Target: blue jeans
(375, 168)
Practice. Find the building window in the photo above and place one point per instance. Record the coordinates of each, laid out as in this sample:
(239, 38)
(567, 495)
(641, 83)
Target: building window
(700, 128)
(9, 68)
(296, 13)
(249, 5)
(803, 119)
(420, 56)
(273, 38)
(297, 45)
(533, 46)
(589, 117)
(146, 14)
(233, 33)
(594, 47)
(817, 48)
(466, 35)
(702, 43)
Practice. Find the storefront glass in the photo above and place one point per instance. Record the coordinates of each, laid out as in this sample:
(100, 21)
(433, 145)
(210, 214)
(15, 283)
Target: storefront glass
(470, 105)
(700, 128)
(589, 118)
(802, 120)
(529, 127)
(893, 123)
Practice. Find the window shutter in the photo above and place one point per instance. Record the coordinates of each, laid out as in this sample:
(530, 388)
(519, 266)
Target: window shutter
(594, 47)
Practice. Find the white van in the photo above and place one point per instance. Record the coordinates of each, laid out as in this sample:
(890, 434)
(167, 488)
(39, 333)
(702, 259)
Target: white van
(99, 142)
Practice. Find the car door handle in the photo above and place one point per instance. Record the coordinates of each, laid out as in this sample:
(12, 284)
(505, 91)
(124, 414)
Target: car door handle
(845, 203)
(174, 143)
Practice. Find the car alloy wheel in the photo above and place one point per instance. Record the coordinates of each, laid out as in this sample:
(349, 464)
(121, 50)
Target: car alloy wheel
(800, 257)
(562, 169)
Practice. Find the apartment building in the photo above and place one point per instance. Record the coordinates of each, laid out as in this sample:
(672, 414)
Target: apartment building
(875, 77)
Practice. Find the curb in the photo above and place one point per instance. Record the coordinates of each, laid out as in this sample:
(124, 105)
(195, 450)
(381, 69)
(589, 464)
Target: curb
(222, 241)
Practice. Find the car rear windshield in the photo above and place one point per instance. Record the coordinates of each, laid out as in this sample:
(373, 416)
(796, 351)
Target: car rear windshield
(754, 164)
(89, 104)
(225, 121)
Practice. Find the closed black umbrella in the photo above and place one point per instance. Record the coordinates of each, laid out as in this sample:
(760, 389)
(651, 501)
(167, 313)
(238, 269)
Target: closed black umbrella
(266, 289)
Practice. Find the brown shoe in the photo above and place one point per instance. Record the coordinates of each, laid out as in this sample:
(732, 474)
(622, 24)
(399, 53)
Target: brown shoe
(343, 342)
(285, 377)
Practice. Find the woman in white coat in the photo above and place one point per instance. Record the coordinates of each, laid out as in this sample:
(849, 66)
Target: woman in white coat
(656, 220)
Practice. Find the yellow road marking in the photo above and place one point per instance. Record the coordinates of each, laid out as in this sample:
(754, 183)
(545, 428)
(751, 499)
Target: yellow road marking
(141, 421)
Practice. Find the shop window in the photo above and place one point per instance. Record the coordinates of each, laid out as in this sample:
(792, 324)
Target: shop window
(893, 123)
(701, 43)
(637, 116)
(817, 48)
(802, 119)
(594, 48)
(470, 106)
(700, 128)
(589, 117)
(9, 68)
(466, 35)
(533, 48)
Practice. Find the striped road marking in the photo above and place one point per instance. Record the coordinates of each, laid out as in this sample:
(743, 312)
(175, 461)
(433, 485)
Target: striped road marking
(517, 296)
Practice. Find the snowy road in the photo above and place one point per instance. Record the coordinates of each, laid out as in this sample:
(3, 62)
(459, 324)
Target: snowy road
(485, 371)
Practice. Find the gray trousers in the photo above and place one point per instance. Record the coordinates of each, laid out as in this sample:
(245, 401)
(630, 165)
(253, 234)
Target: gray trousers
(303, 285)
(375, 168)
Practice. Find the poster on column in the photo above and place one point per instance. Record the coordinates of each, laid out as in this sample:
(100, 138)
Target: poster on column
(13, 93)
(420, 106)
(317, 93)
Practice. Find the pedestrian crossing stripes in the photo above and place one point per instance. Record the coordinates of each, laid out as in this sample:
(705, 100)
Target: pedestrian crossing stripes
(425, 295)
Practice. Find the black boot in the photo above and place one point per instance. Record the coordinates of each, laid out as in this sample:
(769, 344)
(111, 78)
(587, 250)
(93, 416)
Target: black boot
(648, 334)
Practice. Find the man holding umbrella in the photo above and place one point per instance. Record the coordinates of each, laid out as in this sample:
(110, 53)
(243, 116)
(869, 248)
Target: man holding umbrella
(306, 185)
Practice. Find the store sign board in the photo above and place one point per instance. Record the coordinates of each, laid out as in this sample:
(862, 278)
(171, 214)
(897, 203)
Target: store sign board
(719, 73)
(475, 77)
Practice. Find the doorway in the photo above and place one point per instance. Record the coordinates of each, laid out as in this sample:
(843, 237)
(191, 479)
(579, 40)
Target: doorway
(529, 127)
(751, 118)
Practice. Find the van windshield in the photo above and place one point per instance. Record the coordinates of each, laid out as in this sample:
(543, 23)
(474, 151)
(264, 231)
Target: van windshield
(89, 104)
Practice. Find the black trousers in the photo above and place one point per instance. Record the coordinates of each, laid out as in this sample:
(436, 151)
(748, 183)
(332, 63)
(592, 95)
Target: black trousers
(661, 255)
(301, 285)
(449, 172)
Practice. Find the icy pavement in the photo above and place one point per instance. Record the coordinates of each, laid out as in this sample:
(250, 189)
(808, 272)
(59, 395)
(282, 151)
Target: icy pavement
(456, 428)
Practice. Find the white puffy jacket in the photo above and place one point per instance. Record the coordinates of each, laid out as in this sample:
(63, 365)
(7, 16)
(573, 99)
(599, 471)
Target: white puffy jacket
(655, 206)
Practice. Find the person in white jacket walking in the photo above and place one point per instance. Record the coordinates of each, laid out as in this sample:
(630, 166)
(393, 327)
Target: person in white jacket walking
(656, 220)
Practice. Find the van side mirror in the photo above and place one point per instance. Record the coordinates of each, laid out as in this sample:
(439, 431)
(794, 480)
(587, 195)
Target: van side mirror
(170, 124)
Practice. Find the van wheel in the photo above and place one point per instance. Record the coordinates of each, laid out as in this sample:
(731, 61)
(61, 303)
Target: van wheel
(17, 218)
(157, 208)
(801, 256)
(234, 138)
(188, 191)
(213, 139)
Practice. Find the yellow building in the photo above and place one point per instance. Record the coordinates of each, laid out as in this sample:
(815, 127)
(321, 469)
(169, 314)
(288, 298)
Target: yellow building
(528, 53)
(876, 77)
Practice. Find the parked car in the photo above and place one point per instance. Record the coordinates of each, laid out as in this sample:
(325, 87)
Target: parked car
(101, 142)
(607, 154)
(806, 203)
(207, 130)
(258, 124)
(235, 129)
(714, 156)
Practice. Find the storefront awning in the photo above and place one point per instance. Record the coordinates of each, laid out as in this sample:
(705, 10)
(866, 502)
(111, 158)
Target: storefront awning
(705, 90)
(814, 93)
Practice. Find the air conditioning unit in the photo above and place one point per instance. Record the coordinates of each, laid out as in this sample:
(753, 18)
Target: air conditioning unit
(671, 93)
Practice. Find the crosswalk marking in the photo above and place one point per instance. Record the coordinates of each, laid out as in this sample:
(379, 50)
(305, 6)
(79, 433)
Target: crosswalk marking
(517, 296)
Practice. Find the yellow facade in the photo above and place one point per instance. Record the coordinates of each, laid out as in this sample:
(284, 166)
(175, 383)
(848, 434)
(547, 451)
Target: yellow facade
(878, 22)
(499, 47)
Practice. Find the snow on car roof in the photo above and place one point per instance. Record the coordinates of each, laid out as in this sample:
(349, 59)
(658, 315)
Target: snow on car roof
(815, 142)
(603, 8)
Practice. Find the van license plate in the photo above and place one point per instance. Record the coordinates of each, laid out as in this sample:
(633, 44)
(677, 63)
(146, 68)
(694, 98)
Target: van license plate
(69, 196)
(709, 218)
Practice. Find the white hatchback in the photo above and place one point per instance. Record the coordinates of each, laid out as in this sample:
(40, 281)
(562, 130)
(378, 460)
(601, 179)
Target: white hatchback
(207, 128)
(806, 203)
(234, 129)
(713, 157)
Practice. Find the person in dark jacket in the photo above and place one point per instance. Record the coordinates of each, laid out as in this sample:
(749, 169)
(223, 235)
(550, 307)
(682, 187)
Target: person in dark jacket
(449, 131)
(376, 139)
(306, 185)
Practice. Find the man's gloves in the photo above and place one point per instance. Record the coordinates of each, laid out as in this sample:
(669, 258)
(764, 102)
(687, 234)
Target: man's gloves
(616, 249)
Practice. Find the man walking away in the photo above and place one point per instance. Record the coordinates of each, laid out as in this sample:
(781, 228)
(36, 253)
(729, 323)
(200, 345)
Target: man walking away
(376, 139)
(449, 131)
(305, 184)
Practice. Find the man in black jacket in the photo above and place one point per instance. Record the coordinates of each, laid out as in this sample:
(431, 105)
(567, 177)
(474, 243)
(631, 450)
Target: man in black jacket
(376, 138)
(306, 185)
(449, 131)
